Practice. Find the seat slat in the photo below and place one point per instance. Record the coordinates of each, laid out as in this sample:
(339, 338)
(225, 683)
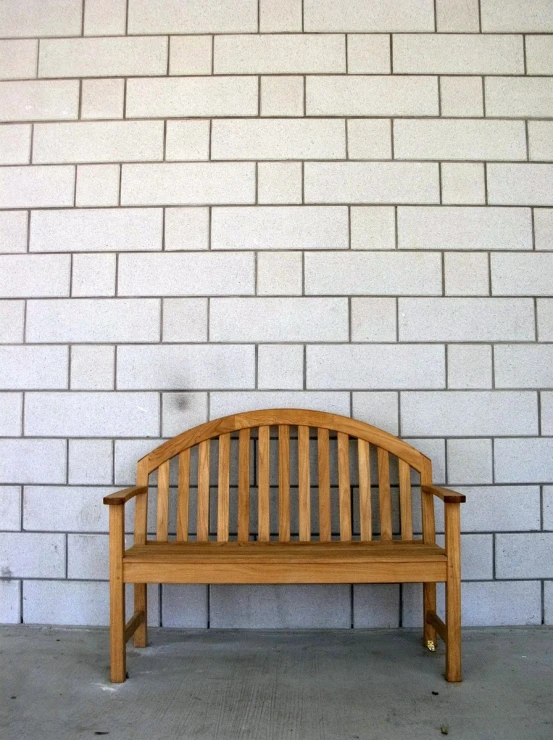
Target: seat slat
(223, 489)
(325, 529)
(384, 494)
(304, 484)
(405, 501)
(344, 487)
(163, 502)
(183, 496)
(203, 491)
(284, 483)
(263, 491)
(244, 485)
(365, 509)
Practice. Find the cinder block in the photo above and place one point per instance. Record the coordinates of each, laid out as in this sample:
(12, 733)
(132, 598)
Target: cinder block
(280, 366)
(189, 183)
(463, 183)
(543, 226)
(464, 54)
(519, 97)
(466, 274)
(523, 365)
(294, 227)
(222, 404)
(93, 275)
(469, 461)
(189, 274)
(191, 367)
(476, 556)
(459, 139)
(524, 555)
(181, 411)
(10, 508)
(39, 100)
(369, 54)
(372, 273)
(501, 603)
(26, 555)
(464, 228)
(96, 414)
(10, 414)
(93, 320)
(88, 556)
(197, 16)
(545, 319)
(127, 454)
(12, 317)
(105, 17)
(185, 97)
(522, 274)
(548, 509)
(523, 460)
(32, 18)
(385, 366)
(282, 96)
(36, 187)
(373, 319)
(15, 144)
(280, 15)
(97, 185)
(18, 59)
(61, 509)
(373, 227)
(510, 15)
(376, 408)
(105, 141)
(469, 366)
(92, 367)
(539, 55)
(102, 98)
(90, 461)
(184, 606)
(32, 460)
(187, 140)
(468, 413)
(462, 97)
(279, 182)
(369, 138)
(34, 275)
(280, 607)
(375, 605)
(103, 57)
(371, 182)
(186, 228)
(185, 320)
(340, 95)
(279, 273)
(546, 412)
(24, 367)
(280, 54)
(13, 231)
(278, 138)
(435, 450)
(548, 602)
(190, 55)
(501, 508)
(457, 15)
(358, 15)
(10, 602)
(540, 140)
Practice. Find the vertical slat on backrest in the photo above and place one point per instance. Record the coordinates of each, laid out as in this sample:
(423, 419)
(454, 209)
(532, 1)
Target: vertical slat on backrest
(405, 501)
(284, 483)
(304, 484)
(244, 485)
(384, 494)
(263, 525)
(365, 509)
(223, 488)
(202, 527)
(325, 529)
(183, 496)
(163, 501)
(344, 487)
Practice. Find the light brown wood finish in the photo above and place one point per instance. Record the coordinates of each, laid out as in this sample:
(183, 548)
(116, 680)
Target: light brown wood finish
(163, 502)
(183, 496)
(344, 488)
(405, 502)
(263, 488)
(284, 483)
(117, 594)
(384, 494)
(429, 537)
(365, 504)
(244, 485)
(453, 591)
(202, 527)
(304, 491)
(223, 493)
(325, 531)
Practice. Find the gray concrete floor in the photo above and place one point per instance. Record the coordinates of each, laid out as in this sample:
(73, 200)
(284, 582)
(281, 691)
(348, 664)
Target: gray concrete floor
(227, 685)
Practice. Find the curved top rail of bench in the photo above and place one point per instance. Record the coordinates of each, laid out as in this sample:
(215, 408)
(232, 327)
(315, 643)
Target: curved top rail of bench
(278, 417)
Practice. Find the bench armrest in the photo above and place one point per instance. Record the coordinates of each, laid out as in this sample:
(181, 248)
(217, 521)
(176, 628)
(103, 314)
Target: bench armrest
(119, 498)
(446, 494)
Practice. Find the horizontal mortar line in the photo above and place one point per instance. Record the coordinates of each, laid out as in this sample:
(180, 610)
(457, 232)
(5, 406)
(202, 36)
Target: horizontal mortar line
(277, 342)
(298, 72)
(329, 117)
(532, 579)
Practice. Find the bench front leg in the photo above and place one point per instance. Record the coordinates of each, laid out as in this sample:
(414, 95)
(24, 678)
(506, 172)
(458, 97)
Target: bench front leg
(117, 594)
(141, 605)
(453, 591)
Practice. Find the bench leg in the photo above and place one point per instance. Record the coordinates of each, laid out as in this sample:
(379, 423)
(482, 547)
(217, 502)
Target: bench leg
(117, 595)
(453, 593)
(141, 605)
(429, 605)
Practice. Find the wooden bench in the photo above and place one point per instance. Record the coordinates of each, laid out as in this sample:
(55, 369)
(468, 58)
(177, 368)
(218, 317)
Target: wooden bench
(346, 450)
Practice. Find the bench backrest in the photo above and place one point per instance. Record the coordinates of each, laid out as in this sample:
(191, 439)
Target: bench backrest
(294, 473)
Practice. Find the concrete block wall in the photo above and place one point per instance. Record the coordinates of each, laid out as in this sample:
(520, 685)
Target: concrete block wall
(217, 205)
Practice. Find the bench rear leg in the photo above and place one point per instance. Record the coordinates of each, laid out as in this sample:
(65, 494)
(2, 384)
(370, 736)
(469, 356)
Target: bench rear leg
(429, 605)
(453, 593)
(141, 605)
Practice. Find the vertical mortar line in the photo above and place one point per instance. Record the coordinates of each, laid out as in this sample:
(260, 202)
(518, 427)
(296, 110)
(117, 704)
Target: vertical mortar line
(392, 150)
(256, 364)
(302, 16)
(256, 174)
(346, 52)
(486, 183)
(480, 16)
(527, 139)
(258, 96)
(116, 274)
(255, 270)
(258, 16)
(351, 604)
(31, 143)
(164, 157)
(493, 366)
(349, 299)
(493, 556)
(542, 601)
(435, 17)
(524, 54)
(440, 182)
(304, 95)
(397, 318)
(80, 106)
(302, 272)
(489, 273)
(119, 186)
(442, 258)
(541, 508)
(37, 58)
(539, 414)
(208, 606)
(346, 137)
(82, 16)
(168, 54)
(439, 96)
(302, 182)
(209, 227)
(210, 139)
(349, 226)
(396, 230)
(533, 218)
(493, 460)
(400, 606)
(163, 222)
(127, 18)
(483, 95)
(212, 54)
(392, 53)
(446, 349)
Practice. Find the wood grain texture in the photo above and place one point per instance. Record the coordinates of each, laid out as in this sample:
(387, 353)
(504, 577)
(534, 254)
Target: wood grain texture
(284, 483)
(384, 497)
(323, 459)
(304, 491)
(405, 502)
(365, 504)
(244, 485)
(163, 502)
(117, 594)
(453, 592)
(344, 487)
(202, 532)
(183, 496)
(263, 488)
(223, 492)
